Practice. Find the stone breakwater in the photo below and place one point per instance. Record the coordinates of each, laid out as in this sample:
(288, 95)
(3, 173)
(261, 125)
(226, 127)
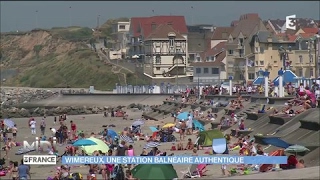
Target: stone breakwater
(14, 96)
(14, 112)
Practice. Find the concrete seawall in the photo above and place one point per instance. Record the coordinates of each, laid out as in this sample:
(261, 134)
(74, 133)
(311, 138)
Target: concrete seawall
(102, 100)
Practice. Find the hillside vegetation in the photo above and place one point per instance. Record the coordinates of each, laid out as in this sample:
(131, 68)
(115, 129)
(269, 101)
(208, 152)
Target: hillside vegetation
(59, 57)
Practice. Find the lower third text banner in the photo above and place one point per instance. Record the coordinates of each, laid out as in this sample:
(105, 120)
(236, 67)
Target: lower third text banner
(174, 159)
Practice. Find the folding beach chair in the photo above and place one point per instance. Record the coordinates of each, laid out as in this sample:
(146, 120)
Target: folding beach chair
(202, 168)
(192, 172)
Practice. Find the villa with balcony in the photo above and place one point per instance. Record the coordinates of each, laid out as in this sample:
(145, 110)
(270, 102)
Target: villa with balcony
(161, 45)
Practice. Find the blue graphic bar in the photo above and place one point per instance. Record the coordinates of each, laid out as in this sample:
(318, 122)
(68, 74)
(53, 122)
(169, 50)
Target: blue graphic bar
(174, 159)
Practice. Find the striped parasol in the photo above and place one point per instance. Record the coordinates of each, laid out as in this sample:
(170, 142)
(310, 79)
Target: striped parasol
(126, 138)
(151, 145)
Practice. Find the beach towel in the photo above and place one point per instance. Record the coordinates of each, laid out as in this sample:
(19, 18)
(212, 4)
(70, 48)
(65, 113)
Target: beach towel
(24, 151)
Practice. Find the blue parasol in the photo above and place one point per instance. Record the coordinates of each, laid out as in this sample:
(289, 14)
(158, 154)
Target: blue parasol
(84, 142)
(9, 123)
(112, 133)
(183, 116)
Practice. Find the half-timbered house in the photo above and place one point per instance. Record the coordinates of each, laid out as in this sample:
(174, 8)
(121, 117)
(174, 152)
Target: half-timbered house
(166, 50)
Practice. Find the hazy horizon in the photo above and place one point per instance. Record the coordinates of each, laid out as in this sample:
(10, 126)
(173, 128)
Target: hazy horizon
(28, 15)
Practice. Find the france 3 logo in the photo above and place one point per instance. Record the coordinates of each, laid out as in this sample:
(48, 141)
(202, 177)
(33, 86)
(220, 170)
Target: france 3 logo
(39, 159)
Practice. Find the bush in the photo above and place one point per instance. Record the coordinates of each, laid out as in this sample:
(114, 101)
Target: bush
(82, 34)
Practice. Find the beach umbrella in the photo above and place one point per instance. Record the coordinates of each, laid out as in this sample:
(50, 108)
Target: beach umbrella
(126, 138)
(9, 123)
(168, 125)
(84, 142)
(198, 125)
(112, 133)
(100, 145)
(150, 171)
(151, 145)
(153, 129)
(183, 116)
(296, 149)
(138, 123)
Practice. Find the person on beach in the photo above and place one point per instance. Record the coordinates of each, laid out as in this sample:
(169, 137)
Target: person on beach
(14, 171)
(23, 171)
(8, 145)
(130, 152)
(73, 127)
(189, 124)
(43, 125)
(14, 132)
(121, 149)
(33, 126)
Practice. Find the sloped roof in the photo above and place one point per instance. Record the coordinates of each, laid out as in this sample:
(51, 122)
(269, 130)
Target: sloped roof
(162, 32)
(177, 22)
(246, 26)
(219, 51)
(219, 31)
(277, 24)
(306, 35)
(264, 35)
(135, 23)
(197, 42)
(310, 30)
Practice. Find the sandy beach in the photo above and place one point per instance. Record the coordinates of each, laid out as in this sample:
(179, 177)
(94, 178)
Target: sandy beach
(93, 123)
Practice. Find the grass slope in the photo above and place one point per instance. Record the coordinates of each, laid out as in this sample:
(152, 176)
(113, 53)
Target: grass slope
(78, 68)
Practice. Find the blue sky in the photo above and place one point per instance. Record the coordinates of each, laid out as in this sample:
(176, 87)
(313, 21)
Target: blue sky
(22, 15)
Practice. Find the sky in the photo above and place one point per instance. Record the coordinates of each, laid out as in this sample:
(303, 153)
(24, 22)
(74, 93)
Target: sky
(27, 15)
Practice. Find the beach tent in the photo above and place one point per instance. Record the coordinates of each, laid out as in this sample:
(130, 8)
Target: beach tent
(206, 137)
(197, 125)
(276, 141)
(288, 76)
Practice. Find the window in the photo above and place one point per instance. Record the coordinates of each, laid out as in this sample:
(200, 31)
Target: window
(300, 72)
(178, 50)
(230, 51)
(215, 71)
(256, 50)
(241, 41)
(208, 58)
(122, 27)
(205, 70)
(213, 58)
(300, 59)
(158, 68)
(171, 42)
(158, 59)
(261, 50)
(153, 26)
(198, 58)
(311, 72)
(251, 76)
(261, 63)
(310, 58)
(198, 70)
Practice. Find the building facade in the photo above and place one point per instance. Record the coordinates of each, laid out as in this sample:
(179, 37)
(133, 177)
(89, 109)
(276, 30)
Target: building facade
(210, 69)
(166, 51)
(120, 37)
(239, 50)
(161, 43)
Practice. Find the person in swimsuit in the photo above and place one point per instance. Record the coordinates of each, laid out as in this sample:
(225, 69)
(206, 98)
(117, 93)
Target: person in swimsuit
(14, 132)
(14, 171)
(8, 146)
